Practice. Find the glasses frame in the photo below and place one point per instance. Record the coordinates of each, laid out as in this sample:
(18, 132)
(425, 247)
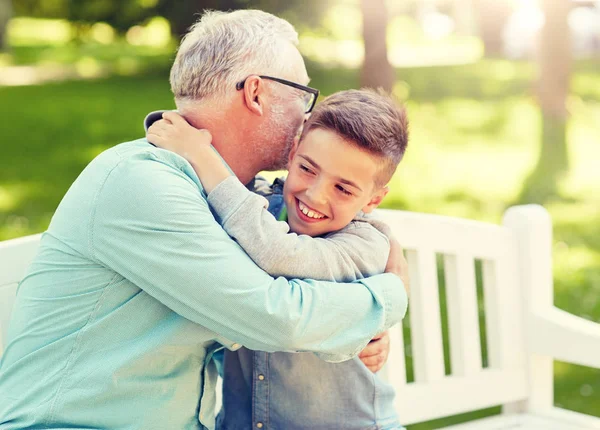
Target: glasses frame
(314, 91)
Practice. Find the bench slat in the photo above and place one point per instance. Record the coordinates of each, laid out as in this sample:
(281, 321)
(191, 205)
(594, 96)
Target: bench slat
(426, 326)
(7, 299)
(454, 395)
(16, 256)
(505, 325)
(394, 370)
(446, 235)
(463, 317)
(553, 419)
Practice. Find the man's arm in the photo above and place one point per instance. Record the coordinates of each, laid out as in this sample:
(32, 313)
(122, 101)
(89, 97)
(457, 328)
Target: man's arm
(354, 252)
(153, 227)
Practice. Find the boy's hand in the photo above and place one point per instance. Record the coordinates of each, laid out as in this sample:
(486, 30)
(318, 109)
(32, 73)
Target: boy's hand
(175, 134)
(397, 264)
(376, 352)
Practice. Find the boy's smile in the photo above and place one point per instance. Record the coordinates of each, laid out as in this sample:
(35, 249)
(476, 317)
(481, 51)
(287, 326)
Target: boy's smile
(307, 213)
(330, 181)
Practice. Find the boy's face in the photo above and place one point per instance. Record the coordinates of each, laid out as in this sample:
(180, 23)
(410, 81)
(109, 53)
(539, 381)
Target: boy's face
(330, 180)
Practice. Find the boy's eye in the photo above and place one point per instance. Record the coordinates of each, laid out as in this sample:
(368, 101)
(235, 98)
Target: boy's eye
(343, 190)
(305, 168)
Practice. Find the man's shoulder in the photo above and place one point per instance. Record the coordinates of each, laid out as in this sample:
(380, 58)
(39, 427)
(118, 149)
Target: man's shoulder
(141, 152)
(138, 164)
(127, 150)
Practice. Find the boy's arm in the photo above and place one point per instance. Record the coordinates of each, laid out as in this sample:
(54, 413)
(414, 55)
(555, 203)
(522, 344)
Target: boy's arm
(175, 134)
(355, 252)
(153, 227)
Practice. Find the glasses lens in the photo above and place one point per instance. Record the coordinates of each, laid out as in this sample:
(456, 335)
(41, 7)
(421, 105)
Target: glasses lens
(308, 102)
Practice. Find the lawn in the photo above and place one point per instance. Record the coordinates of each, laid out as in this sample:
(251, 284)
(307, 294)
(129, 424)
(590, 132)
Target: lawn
(474, 137)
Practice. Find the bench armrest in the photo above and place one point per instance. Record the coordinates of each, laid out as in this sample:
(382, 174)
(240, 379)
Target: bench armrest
(565, 337)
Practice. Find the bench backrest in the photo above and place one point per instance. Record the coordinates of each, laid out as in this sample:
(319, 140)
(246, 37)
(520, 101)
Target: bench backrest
(513, 265)
(15, 257)
(490, 274)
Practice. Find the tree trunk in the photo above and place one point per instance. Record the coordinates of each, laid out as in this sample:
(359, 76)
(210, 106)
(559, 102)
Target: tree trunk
(492, 16)
(5, 15)
(462, 12)
(183, 14)
(554, 60)
(377, 72)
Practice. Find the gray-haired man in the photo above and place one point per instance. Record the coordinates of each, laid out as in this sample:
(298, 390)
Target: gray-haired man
(136, 285)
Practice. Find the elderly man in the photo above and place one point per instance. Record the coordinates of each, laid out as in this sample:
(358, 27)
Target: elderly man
(136, 285)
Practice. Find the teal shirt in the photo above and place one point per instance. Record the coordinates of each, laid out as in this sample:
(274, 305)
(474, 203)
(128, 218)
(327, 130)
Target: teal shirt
(136, 285)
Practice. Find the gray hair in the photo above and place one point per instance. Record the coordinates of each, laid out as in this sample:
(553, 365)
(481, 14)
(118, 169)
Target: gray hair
(223, 48)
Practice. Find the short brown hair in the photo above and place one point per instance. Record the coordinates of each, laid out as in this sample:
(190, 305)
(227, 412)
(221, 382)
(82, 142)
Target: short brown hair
(371, 119)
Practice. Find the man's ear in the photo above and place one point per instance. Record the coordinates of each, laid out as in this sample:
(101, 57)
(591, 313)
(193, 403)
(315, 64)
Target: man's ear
(254, 90)
(376, 199)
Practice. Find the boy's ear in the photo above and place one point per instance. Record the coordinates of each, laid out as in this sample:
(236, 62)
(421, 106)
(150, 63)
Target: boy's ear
(294, 149)
(254, 89)
(376, 199)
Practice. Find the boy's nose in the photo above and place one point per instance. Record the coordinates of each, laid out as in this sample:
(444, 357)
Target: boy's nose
(317, 195)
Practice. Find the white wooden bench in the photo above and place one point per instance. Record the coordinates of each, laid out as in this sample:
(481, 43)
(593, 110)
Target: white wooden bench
(524, 331)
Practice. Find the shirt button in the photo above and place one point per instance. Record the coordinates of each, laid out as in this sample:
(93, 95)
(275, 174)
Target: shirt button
(235, 345)
(261, 377)
(259, 425)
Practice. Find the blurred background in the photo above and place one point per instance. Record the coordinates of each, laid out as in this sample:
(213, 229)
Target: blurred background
(503, 98)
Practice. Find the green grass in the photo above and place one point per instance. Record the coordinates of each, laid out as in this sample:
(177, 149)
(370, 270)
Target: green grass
(474, 137)
(50, 132)
(53, 43)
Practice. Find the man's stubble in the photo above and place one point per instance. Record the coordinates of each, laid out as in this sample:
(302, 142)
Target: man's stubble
(277, 139)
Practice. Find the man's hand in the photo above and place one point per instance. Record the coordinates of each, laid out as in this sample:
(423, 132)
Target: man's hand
(397, 264)
(376, 352)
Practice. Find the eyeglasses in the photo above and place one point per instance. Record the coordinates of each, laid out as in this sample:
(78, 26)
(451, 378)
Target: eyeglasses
(309, 97)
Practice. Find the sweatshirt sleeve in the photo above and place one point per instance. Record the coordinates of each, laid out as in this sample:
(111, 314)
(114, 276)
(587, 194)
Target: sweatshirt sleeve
(355, 252)
(152, 226)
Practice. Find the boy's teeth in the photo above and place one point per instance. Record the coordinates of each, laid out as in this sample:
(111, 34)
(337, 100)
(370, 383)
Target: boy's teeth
(309, 213)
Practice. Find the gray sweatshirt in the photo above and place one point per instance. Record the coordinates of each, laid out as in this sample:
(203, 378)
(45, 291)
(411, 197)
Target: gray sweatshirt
(357, 251)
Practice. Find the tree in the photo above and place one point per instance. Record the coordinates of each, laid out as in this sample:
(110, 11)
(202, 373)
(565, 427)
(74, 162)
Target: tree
(492, 16)
(5, 15)
(462, 12)
(377, 70)
(182, 14)
(554, 62)
(83, 13)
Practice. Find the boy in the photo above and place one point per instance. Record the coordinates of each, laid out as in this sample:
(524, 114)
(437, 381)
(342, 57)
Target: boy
(338, 171)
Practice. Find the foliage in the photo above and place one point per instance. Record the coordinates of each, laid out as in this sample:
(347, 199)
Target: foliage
(119, 14)
(181, 14)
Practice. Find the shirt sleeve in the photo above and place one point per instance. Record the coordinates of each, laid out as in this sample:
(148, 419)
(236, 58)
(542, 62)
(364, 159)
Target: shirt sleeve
(355, 252)
(152, 226)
